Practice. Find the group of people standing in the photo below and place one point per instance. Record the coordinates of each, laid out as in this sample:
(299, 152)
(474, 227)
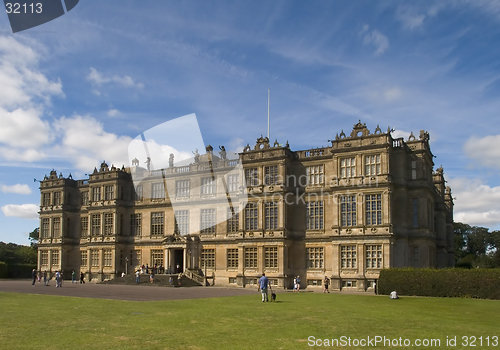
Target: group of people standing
(296, 284)
(58, 277)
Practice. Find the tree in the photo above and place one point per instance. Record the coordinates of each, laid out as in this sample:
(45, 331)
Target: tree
(475, 246)
(34, 236)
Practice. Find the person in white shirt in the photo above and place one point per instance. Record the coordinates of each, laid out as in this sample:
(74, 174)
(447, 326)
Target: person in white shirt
(394, 295)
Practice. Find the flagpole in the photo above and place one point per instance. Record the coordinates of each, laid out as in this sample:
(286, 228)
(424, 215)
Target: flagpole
(268, 104)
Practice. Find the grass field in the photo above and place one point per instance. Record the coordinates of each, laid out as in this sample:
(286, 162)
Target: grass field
(52, 322)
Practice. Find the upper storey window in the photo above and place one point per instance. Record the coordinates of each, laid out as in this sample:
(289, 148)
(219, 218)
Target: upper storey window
(372, 165)
(46, 199)
(109, 192)
(271, 175)
(207, 185)
(96, 194)
(182, 188)
(348, 210)
(157, 190)
(315, 175)
(233, 182)
(252, 177)
(348, 167)
(413, 169)
(57, 198)
(85, 198)
(137, 193)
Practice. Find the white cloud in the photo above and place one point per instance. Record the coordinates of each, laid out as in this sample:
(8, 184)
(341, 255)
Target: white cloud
(476, 203)
(159, 153)
(485, 150)
(24, 96)
(99, 79)
(376, 39)
(113, 112)
(401, 133)
(87, 143)
(23, 128)
(17, 188)
(236, 144)
(23, 155)
(25, 211)
(411, 18)
(22, 84)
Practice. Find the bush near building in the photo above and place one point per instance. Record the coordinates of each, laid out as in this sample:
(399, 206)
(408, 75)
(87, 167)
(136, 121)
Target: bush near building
(3, 270)
(17, 261)
(473, 283)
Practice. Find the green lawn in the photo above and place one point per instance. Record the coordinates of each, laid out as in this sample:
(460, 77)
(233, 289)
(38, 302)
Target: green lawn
(244, 322)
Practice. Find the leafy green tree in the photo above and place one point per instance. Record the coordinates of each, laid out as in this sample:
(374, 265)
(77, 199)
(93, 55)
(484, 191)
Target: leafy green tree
(34, 236)
(475, 246)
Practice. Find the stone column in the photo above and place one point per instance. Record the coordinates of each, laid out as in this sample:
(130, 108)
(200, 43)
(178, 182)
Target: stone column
(39, 260)
(184, 260)
(240, 277)
(169, 260)
(335, 278)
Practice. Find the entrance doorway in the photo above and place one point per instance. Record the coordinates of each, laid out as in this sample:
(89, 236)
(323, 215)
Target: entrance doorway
(178, 260)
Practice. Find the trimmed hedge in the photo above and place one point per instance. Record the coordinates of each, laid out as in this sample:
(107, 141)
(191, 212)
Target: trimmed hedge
(21, 270)
(473, 283)
(3, 270)
(16, 270)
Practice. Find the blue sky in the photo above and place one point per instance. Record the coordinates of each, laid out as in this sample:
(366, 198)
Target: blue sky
(78, 89)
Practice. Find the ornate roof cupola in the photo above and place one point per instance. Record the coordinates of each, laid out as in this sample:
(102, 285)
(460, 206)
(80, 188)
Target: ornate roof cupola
(360, 130)
(262, 143)
(104, 167)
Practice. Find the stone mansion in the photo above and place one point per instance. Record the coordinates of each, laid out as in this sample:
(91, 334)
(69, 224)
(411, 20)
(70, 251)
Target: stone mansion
(366, 202)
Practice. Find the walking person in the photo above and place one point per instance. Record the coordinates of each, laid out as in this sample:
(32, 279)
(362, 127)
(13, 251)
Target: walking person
(58, 277)
(33, 277)
(81, 278)
(45, 280)
(137, 277)
(298, 283)
(327, 283)
(263, 284)
(73, 277)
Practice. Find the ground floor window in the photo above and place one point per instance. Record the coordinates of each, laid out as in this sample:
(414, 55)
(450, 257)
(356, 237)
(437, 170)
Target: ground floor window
(313, 283)
(44, 257)
(108, 258)
(348, 284)
(157, 257)
(315, 258)
(232, 258)
(232, 280)
(208, 258)
(135, 258)
(55, 257)
(251, 281)
(271, 257)
(374, 256)
(251, 257)
(94, 256)
(348, 257)
(83, 258)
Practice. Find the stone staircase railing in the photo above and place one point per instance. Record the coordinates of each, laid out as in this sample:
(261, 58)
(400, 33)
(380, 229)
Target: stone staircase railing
(192, 275)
